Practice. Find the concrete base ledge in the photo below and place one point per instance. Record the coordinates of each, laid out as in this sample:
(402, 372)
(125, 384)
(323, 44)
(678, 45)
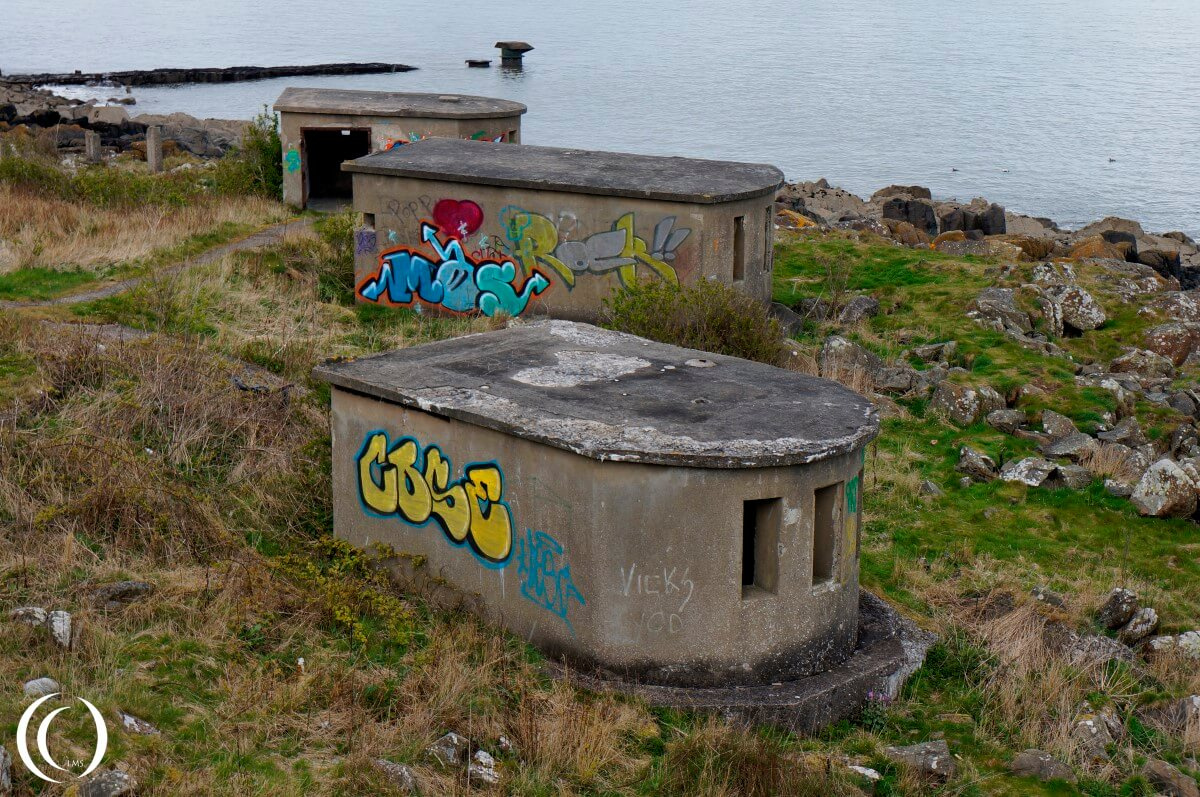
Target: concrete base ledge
(890, 649)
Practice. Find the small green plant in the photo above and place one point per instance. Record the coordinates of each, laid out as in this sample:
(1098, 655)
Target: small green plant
(256, 167)
(709, 316)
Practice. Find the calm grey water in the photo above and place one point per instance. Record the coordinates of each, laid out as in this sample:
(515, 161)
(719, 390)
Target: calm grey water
(1027, 99)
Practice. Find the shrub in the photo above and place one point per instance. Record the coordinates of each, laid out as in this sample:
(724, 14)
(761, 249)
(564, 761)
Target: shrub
(709, 316)
(257, 166)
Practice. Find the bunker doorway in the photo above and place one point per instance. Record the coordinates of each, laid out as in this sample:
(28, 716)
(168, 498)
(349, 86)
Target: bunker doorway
(324, 152)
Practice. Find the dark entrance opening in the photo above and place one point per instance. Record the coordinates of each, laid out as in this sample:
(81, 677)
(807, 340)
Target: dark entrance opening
(324, 152)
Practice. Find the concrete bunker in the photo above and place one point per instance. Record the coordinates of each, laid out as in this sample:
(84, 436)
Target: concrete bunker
(321, 128)
(471, 227)
(674, 517)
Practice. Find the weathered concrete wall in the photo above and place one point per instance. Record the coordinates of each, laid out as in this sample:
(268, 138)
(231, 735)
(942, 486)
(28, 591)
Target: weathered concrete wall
(569, 251)
(386, 132)
(633, 567)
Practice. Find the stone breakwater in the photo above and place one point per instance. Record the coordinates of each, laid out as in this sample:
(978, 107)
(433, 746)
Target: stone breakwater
(228, 74)
(911, 216)
(23, 105)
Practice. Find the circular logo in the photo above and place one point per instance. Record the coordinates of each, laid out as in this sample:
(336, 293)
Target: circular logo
(43, 733)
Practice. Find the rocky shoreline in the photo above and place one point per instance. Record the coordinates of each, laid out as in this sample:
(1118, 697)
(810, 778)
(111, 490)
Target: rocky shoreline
(910, 216)
(42, 109)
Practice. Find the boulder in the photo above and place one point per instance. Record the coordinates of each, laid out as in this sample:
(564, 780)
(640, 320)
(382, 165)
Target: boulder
(1008, 421)
(1128, 432)
(839, 355)
(5, 771)
(1118, 608)
(1092, 738)
(897, 380)
(997, 309)
(1112, 224)
(1070, 477)
(913, 191)
(1139, 628)
(1080, 311)
(953, 236)
(1095, 248)
(121, 593)
(1057, 426)
(40, 687)
(1144, 363)
(1169, 780)
(1178, 341)
(905, 233)
(936, 352)
(59, 625)
(1075, 447)
(29, 615)
(1032, 248)
(858, 308)
(931, 759)
(1187, 643)
(452, 750)
(931, 488)
(978, 466)
(1175, 716)
(1032, 471)
(1178, 305)
(917, 212)
(482, 769)
(986, 247)
(399, 776)
(1039, 764)
(1165, 491)
(108, 783)
(791, 321)
(1043, 594)
(1085, 650)
(108, 115)
(964, 404)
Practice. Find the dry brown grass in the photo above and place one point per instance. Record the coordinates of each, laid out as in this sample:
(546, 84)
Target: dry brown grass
(53, 233)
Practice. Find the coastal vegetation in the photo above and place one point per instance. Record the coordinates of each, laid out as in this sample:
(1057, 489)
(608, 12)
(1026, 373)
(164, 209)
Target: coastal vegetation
(170, 436)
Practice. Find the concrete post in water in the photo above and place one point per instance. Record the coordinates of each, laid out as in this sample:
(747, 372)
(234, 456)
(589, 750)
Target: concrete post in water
(154, 154)
(91, 143)
(512, 53)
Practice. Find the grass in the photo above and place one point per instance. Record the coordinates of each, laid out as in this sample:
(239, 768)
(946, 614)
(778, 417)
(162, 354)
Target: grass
(276, 659)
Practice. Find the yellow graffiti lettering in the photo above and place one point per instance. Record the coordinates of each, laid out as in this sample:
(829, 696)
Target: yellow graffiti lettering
(412, 495)
(537, 238)
(449, 500)
(491, 527)
(380, 498)
(416, 486)
(636, 249)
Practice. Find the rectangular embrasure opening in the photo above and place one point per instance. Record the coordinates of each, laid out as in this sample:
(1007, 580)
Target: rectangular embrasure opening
(739, 248)
(760, 545)
(825, 517)
(369, 221)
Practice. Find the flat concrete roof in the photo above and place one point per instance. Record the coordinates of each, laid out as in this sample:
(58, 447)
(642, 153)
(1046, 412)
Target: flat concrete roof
(612, 396)
(578, 171)
(349, 102)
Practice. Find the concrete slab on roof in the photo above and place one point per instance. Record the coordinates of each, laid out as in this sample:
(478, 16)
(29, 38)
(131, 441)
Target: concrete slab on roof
(612, 396)
(574, 170)
(350, 102)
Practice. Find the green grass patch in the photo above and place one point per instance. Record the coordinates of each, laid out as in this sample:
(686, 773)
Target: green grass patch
(38, 283)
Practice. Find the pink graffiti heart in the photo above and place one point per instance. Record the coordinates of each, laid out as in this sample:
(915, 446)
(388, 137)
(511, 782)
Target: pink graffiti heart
(457, 219)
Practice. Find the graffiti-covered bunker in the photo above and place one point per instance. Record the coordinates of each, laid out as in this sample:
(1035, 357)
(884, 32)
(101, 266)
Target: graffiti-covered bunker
(321, 128)
(669, 516)
(469, 226)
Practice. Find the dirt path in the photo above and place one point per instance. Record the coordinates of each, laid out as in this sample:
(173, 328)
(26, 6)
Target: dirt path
(263, 238)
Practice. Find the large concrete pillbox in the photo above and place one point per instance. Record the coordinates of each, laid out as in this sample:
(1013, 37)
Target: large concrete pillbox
(321, 128)
(474, 227)
(660, 513)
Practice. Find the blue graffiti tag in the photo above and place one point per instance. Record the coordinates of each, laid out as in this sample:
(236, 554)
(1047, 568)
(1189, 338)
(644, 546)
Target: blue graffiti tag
(453, 281)
(544, 579)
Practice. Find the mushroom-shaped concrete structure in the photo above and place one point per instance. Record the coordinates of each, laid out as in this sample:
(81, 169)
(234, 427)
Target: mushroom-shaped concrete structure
(666, 514)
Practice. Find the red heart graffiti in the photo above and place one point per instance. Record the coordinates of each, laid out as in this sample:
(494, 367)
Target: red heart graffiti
(458, 219)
